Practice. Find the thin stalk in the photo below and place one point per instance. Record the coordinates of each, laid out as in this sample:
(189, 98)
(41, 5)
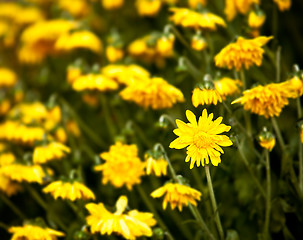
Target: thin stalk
(12, 206)
(4, 226)
(77, 211)
(278, 64)
(109, 123)
(192, 69)
(141, 135)
(213, 202)
(299, 109)
(268, 196)
(245, 161)
(278, 133)
(168, 118)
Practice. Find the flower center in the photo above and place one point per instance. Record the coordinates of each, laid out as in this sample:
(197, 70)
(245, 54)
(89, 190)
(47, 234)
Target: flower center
(202, 139)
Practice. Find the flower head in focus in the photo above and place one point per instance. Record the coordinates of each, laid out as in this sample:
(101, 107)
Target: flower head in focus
(51, 151)
(154, 164)
(122, 166)
(129, 225)
(294, 86)
(242, 53)
(205, 96)
(201, 138)
(177, 195)
(227, 86)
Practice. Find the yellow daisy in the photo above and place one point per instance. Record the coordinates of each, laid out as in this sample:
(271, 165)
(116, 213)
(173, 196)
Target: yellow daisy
(266, 101)
(244, 52)
(232, 7)
(92, 81)
(267, 141)
(156, 166)
(191, 19)
(148, 8)
(198, 43)
(205, 96)
(283, 5)
(7, 159)
(122, 166)
(155, 93)
(114, 54)
(129, 225)
(227, 86)
(32, 232)
(256, 19)
(177, 195)
(294, 86)
(51, 151)
(165, 45)
(112, 4)
(202, 138)
(7, 78)
(67, 190)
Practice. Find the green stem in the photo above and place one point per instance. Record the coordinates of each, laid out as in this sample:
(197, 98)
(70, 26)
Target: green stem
(141, 134)
(108, 120)
(299, 109)
(213, 202)
(278, 64)
(77, 211)
(151, 208)
(168, 118)
(278, 133)
(4, 226)
(192, 69)
(245, 161)
(12, 206)
(268, 196)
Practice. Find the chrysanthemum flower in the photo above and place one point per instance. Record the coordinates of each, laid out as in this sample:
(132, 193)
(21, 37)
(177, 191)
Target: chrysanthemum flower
(194, 3)
(29, 112)
(177, 195)
(198, 43)
(227, 86)
(294, 86)
(205, 96)
(23, 173)
(202, 137)
(191, 19)
(232, 7)
(114, 54)
(67, 190)
(148, 8)
(165, 45)
(7, 78)
(129, 225)
(112, 4)
(155, 93)
(156, 166)
(51, 151)
(266, 101)
(97, 82)
(283, 5)
(244, 52)
(256, 19)
(122, 166)
(7, 159)
(79, 8)
(267, 142)
(8, 186)
(80, 39)
(29, 15)
(32, 232)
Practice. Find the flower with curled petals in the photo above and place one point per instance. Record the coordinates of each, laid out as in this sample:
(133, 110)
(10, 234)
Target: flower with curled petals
(202, 138)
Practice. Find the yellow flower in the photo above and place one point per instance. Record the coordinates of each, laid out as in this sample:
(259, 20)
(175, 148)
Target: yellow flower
(73, 73)
(205, 96)
(20, 173)
(294, 86)
(122, 166)
(97, 82)
(194, 3)
(29, 15)
(129, 225)
(80, 39)
(267, 142)
(51, 151)
(155, 93)
(198, 43)
(8, 10)
(227, 86)
(73, 128)
(112, 4)
(191, 19)
(78, 8)
(9, 187)
(256, 20)
(67, 190)
(32, 232)
(148, 8)
(7, 78)
(202, 138)
(232, 7)
(243, 52)
(266, 101)
(177, 195)
(114, 54)
(7, 159)
(283, 5)
(5, 106)
(60, 135)
(165, 45)
(156, 166)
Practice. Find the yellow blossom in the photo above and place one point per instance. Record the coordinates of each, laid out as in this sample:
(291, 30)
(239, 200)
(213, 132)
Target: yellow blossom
(294, 86)
(97, 82)
(205, 96)
(7, 78)
(165, 45)
(73, 73)
(67, 190)
(51, 151)
(177, 195)
(232, 7)
(7, 159)
(60, 135)
(122, 166)
(129, 225)
(23, 173)
(114, 54)
(267, 142)
(5, 106)
(227, 86)
(32, 232)
(29, 15)
(155, 93)
(80, 39)
(194, 3)
(202, 138)
(78, 8)
(156, 166)
(283, 5)
(244, 52)
(148, 8)
(198, 43)
(8, 10)
(191, 19)
(8, 186)
(256, 20)
(112, 4)
(266, 101)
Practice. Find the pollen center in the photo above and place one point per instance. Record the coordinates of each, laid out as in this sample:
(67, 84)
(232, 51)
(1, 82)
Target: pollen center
(202, 139)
